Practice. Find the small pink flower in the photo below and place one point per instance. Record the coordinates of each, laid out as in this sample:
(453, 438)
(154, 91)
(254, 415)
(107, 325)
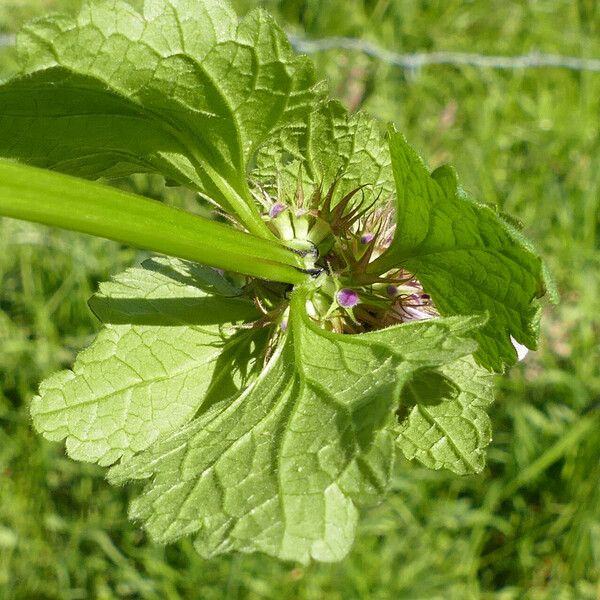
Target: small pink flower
(347, 298)
(414, 314)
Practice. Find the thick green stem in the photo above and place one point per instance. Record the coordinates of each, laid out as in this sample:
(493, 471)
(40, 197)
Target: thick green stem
(79, 205)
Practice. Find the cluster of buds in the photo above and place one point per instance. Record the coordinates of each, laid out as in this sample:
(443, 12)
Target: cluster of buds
(338, 241)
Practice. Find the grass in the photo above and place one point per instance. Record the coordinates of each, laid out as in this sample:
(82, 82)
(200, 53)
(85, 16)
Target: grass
(529, 526)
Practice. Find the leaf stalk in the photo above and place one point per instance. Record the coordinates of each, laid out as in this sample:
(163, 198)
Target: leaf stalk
(79, 205)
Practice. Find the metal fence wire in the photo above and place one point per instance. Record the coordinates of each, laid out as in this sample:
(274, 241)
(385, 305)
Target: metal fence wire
(418, 60)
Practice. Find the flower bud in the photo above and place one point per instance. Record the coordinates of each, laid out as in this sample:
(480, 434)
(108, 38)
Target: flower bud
(276, 210)
(347, 298)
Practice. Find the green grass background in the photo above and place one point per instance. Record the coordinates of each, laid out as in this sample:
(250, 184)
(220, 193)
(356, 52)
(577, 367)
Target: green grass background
(529, 525)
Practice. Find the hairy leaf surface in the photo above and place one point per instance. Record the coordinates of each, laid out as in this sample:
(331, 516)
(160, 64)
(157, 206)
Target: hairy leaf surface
(276, 469)
(148, 376)
(466, 257)
(330, 147)
(444, 427)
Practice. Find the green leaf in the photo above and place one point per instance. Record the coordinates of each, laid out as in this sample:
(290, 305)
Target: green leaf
(468, 259)
(279, 468)
(331, 146)
(446, 425)
(182, 89)
(428, 387)
(139, 382)
(62, 201)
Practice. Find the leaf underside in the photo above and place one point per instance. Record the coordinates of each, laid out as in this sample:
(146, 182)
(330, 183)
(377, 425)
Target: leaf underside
(466, 257)
(151, 366)
(275, 459)
(280, 468)
(331, 147)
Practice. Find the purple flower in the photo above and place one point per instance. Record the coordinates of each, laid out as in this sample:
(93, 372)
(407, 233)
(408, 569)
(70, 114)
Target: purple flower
(365, 238)
(276, 210)
(347, 298)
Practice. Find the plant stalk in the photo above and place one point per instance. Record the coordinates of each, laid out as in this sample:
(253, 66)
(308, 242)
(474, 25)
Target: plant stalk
(67, 202)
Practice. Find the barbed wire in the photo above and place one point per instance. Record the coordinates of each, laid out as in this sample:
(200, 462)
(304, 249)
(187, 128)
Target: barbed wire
(417, 60)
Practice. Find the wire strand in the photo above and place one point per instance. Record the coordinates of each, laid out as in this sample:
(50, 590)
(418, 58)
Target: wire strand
(417, 60)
